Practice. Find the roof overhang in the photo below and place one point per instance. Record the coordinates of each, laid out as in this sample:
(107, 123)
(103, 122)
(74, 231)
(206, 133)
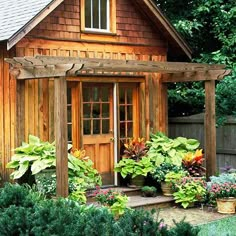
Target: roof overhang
(53, 66)
(17, 36)
(160, 21)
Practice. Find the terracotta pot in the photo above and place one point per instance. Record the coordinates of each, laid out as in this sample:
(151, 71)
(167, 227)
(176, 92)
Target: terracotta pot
(226, 205)
(166, 189)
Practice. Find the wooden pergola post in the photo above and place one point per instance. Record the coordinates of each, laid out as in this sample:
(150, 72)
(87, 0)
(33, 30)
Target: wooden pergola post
(162, 107)
(60, 122)
(210, 128)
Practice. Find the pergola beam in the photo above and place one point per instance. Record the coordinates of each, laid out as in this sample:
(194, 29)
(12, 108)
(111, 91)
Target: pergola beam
(50, 66)
(195, 76)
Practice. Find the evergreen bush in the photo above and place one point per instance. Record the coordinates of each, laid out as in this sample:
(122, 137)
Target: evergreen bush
(24, 212)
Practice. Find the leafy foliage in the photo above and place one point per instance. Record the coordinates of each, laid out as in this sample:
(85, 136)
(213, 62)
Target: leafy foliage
(192, 162)
(114, 200)
(189, 190)
(159, 174)
(35, 155)
(213, 21)
(127, 166)
(135, 148)
(67, 218)
(164, 149)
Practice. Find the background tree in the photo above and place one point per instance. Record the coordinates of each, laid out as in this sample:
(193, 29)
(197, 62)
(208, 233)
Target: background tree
(209, 28)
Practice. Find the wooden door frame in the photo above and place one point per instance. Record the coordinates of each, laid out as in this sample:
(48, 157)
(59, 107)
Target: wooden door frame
(76, 100)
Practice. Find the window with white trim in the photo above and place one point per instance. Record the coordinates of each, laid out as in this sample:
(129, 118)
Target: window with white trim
(97, 15)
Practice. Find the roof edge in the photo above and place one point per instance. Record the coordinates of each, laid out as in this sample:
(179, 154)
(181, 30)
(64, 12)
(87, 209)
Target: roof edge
(169, 27)
(16, 37)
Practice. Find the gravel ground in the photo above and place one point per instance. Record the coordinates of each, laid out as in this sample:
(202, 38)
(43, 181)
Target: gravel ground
(194, 216)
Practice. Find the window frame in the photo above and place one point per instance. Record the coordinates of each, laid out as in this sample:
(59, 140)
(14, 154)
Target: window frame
(111, 19)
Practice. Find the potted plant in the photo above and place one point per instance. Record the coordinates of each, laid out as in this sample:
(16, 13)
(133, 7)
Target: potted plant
(222, 190)
(189, 190)
(192, 162)
(168, 170)
(130, 167)
(134, 162)
(149, 191)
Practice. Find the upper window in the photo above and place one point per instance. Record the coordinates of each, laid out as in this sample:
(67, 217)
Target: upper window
(97, 15)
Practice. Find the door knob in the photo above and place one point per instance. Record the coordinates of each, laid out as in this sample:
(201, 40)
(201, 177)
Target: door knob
(112, 139)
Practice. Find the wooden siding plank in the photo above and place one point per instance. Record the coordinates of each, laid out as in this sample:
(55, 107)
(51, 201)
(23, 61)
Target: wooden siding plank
(7, 116)
(2, 152)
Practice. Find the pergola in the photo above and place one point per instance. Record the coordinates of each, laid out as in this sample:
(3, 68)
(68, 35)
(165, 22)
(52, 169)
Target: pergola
(59, 68)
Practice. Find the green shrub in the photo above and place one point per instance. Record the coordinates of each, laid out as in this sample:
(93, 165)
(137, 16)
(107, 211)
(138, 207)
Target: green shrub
(184, 229)
(14, 194)
(26, 213)
(16, 220)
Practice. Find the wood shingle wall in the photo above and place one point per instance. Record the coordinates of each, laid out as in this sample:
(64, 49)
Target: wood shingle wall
(131, 26)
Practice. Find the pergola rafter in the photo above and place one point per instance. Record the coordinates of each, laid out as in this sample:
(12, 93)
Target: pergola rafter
(61, 67)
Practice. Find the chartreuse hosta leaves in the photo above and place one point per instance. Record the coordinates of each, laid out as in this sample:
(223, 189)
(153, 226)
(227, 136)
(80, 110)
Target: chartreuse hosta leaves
(37, 156)
(164, 149)
(127, 166)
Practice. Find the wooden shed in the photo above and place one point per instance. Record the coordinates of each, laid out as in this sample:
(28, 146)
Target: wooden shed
(120, 93)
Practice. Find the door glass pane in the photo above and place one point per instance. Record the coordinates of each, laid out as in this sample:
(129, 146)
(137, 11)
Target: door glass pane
(96, 127)
(130, 129)
(122, 96)
(129, 112)
(122, 129)
(87, 110)
(129, 95)
(69, 117)
(87, 127)
(105, 126)
(122, 113)
(105, 94)
(86, 94)
(96, 94)
(96, 110)
(105, 110)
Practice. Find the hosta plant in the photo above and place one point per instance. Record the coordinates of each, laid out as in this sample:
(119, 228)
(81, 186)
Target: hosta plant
(164, 149)
(37, 156)
(127, 166)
